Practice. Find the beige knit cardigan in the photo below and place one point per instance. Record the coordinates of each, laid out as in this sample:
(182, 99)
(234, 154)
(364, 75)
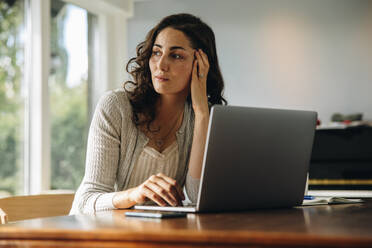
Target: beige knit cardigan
(114, 145)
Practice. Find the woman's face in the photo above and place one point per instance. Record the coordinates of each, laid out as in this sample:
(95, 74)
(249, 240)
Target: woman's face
(171, 62)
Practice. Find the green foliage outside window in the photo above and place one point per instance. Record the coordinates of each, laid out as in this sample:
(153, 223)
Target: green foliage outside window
(11, 101)
(68, 108)
(68, 135)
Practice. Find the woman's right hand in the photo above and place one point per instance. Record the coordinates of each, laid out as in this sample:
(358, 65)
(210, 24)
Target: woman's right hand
(159, 188)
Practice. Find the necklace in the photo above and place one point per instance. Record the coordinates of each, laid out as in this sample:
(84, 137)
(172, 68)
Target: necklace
(159, 141)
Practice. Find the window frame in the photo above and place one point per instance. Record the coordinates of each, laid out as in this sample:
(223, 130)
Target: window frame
(111, 52)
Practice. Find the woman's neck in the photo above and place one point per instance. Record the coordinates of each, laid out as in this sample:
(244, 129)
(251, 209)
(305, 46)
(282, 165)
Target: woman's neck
(169, 106)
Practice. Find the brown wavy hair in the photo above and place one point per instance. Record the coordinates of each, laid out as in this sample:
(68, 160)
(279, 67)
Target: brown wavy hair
(142, 95)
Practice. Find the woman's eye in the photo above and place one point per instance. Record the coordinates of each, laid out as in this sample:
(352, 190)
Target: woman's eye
(156, 53)
(177, 56)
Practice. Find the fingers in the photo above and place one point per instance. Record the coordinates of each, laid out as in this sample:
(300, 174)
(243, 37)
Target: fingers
(164, 188)
(202, 60)
(199, 96)
(195, 70)
(175, 185)
(145, 191)
(169, 198)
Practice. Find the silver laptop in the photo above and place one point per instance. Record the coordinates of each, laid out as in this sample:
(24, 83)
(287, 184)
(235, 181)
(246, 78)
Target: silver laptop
(254, 158)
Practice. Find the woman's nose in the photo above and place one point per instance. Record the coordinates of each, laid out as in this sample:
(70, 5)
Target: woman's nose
(163, 63)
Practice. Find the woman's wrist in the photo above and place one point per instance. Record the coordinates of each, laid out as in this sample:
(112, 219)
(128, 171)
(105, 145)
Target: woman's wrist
(122, 199)
(202, 113)
(201, 108)
(201, 122)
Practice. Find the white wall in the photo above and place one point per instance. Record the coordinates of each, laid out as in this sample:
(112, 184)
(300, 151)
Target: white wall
(298, 54)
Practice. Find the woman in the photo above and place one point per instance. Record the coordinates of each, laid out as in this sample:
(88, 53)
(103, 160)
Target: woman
(146, 141)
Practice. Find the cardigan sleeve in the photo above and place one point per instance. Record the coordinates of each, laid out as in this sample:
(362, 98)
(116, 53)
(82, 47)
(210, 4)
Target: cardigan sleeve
(97, 188)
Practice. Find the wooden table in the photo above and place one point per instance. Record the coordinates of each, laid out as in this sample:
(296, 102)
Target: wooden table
(320, 226)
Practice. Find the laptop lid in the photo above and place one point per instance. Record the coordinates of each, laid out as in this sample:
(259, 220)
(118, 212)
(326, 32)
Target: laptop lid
(255, 158)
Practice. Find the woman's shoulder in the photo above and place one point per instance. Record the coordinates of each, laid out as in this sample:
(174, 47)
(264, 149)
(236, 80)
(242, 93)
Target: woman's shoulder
(115, 104)
(115, 98)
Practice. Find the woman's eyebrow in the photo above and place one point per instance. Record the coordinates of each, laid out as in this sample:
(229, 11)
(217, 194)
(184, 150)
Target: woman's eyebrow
(172, 48)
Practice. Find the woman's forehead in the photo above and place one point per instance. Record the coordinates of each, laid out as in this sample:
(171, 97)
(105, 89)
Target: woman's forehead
(170, 38)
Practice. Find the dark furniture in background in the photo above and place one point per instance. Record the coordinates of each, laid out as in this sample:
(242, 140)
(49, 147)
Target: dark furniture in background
(342, 159)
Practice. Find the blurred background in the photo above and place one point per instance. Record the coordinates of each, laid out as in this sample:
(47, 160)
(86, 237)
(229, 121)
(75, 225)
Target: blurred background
(57, 57)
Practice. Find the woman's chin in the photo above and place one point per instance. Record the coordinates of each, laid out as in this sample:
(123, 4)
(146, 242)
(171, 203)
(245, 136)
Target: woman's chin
(166, 89)
(165, 92)
(163, 88)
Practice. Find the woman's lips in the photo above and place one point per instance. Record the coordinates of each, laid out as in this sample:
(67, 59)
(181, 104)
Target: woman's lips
(161, 79)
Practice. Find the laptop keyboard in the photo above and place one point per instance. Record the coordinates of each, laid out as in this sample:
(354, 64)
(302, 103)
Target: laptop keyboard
(187, 205)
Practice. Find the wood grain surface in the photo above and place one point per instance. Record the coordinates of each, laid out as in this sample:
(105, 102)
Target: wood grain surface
(346, 225)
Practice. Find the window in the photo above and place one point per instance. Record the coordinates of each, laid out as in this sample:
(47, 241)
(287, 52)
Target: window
(68, 92)
(12, 97)
(56, 59)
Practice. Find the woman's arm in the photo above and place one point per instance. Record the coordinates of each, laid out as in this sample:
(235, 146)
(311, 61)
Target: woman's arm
(201, 110)
(95, 191)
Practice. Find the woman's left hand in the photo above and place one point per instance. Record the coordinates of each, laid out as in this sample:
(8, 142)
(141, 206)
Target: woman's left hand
(199, 83)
